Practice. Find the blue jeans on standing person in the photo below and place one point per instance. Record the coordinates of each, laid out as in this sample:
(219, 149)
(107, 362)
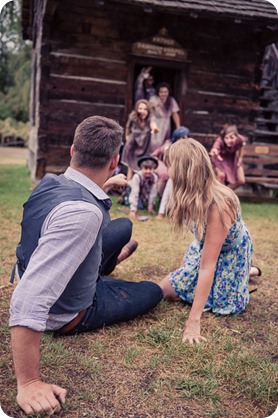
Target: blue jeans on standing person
(117, 300)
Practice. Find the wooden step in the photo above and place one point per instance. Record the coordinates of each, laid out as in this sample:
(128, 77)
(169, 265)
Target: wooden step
(258, 132)
(268, 109)
(267, 121)
(267, 99)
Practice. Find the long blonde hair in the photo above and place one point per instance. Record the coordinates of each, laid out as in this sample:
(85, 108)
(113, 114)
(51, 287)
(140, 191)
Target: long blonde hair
(195, 187)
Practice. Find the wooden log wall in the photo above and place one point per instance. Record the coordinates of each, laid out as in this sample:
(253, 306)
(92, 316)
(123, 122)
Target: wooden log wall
(85, 57)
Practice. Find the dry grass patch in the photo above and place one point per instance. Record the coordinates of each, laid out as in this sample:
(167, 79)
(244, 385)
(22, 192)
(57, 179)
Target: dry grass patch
(141, 369)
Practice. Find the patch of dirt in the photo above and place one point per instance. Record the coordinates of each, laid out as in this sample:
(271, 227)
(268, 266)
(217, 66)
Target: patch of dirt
(13, 155)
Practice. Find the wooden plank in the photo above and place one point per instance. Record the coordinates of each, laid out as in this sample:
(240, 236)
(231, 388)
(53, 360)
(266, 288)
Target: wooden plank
(86, 90)
(256, 198)
(63, 118)
(261, 148)
(255, 159)
(265, 133)
(260, 179)
(88, 66)
(261, 172)
(220, 82)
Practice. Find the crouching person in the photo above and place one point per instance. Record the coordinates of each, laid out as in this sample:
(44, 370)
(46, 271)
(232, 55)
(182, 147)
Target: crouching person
(143, 186)
(68, 243)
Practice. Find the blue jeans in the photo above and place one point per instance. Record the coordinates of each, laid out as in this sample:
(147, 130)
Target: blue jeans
(114, 237)
(117, 300)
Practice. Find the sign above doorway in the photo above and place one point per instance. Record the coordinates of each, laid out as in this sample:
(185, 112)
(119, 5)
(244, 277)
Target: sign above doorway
(160, 46)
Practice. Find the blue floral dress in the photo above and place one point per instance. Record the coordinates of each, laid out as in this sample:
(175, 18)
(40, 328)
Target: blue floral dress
(229, 292)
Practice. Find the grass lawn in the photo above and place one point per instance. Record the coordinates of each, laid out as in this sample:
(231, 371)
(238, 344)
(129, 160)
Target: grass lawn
(141, 369)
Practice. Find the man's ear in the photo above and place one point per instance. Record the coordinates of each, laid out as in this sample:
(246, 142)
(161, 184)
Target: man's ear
(114, 162)
(72, 150)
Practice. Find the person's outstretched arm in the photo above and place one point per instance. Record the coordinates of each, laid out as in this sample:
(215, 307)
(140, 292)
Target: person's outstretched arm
(216, 149)
(139, 83)
(216, 233)
(176, 119)
(34, 396)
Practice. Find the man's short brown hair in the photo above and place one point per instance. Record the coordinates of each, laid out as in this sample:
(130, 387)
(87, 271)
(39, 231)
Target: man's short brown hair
(96, 140)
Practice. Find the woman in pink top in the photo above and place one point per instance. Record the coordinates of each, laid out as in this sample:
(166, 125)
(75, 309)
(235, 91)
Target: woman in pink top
(226, 157)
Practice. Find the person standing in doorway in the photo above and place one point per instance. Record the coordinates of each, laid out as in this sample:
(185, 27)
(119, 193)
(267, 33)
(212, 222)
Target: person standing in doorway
(163, 107)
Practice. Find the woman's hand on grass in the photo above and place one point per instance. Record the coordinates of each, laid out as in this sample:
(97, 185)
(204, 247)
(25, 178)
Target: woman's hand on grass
(192, 332)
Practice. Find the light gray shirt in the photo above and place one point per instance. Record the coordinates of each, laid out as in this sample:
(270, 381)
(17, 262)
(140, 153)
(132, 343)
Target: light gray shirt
(134, 184)
(67, 235)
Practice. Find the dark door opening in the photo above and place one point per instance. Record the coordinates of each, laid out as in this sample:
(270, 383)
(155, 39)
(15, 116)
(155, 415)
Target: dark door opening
(162, 74)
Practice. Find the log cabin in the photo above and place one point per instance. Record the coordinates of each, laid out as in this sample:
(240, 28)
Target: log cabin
(88, 53)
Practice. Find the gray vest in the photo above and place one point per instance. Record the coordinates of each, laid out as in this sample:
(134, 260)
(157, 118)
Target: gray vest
(51, 191)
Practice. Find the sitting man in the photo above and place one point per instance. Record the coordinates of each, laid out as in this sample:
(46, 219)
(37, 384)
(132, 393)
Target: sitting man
(68, 243)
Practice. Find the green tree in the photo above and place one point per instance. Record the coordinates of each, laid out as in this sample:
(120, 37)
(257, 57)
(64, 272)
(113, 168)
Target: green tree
(15, 65)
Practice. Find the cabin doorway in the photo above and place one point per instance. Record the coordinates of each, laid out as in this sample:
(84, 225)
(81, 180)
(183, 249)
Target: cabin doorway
(172, 76)
(162, 71)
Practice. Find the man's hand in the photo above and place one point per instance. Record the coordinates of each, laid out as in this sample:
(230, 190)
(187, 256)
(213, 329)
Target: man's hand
(191, 332)
(118, 182)
(40, 398)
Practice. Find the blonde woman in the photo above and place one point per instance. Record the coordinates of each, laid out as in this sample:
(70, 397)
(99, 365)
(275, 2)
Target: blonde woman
(217, 265)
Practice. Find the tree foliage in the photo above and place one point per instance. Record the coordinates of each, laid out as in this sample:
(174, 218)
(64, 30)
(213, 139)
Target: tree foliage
(15, 65)
(12, 131)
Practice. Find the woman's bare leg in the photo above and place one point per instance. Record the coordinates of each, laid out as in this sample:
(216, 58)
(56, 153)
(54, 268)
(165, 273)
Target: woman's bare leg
(254, 271)
(167, 289)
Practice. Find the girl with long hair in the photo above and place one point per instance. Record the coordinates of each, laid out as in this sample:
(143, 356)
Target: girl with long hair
(226, 156)
(139, 128)
(217, 265)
